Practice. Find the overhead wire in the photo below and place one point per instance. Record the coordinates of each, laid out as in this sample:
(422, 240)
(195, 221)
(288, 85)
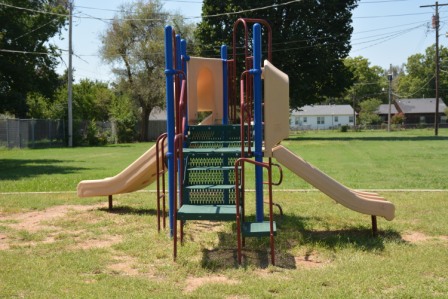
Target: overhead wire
(389, 35)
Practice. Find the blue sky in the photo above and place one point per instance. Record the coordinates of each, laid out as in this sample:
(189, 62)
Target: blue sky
(385, 31)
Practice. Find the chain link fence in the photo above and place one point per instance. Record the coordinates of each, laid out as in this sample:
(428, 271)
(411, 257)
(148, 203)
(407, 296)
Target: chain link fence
(40, 133)
(33, 133)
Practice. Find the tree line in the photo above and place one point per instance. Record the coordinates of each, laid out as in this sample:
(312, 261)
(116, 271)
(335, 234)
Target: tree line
(311, 43)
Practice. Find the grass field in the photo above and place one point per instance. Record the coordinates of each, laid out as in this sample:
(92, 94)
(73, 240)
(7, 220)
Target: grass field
(55, 245)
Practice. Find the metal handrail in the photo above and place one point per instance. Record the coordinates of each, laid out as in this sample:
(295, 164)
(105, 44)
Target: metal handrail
(247, 57)
(161, 169)
(178, 156)
(239, 164)
(245, 116)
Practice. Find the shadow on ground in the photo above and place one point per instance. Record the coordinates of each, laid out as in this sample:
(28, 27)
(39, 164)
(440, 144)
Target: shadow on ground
(15, 169)
(123, 210)
(293, 231)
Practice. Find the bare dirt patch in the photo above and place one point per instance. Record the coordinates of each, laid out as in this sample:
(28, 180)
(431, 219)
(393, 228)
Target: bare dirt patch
(33, 222)
(308, 261)
(124, 265)
(4, 245)
(415, 237)
(418, 238)
(193, 283)
(105, 242)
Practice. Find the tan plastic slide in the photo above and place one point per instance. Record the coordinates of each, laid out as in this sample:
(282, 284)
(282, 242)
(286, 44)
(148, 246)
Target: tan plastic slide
(362, 202)
(141, 173)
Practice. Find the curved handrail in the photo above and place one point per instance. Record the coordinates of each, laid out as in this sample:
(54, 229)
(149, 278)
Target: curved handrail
(279, 167)
(247, 57)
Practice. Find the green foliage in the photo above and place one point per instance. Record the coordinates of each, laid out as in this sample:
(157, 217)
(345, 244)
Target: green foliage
(134, 46)
(94, 136)
(310, 39)
(21, 30)
(418, 80)
(368, 115)
(344, 128)
(39, 107)
(124, 117)
(398, 119)
(369, 80)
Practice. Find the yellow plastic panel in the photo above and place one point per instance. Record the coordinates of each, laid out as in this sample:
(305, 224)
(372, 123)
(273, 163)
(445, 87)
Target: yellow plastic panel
(276, 107)
(204, 87)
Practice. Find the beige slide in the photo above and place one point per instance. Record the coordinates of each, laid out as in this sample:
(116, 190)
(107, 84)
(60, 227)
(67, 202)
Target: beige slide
(141, 173)
(363, 202)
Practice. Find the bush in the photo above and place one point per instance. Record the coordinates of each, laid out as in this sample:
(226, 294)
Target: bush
(344, 128)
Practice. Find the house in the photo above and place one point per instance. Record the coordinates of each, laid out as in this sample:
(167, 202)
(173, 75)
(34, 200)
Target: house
(156, 123)
(421, 111)
(321, 117)
(383, 111)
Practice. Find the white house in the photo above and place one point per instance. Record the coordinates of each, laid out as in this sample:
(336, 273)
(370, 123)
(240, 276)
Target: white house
(322, 117)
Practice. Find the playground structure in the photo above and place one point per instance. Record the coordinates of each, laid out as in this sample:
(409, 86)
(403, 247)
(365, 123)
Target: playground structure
(206, 159)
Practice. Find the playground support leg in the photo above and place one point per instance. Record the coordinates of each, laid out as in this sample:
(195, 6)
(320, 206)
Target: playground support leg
(374, 226)
(258, 120)
(110, 203)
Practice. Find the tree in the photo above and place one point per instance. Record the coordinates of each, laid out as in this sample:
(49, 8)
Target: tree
(134, 44)
(310, 40)
(27, 61)
(370, 81)
(368, 115)
(418, 79)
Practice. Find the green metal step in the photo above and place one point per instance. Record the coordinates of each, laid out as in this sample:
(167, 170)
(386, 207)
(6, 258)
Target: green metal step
(215, 150)
(257, 229)
(209, 195)
(207, 212)
(212, 168)
(211, 187)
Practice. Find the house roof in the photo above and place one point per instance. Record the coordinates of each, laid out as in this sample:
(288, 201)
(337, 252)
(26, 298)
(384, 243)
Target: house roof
(157, 114)
(321, 110)
(409, 106)
(384, 109)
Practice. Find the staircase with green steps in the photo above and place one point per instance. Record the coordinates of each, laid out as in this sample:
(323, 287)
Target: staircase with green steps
(209, 174)
(208, 188)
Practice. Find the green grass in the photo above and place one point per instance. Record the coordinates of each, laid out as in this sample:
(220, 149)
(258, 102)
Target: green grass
(343, 259)
(323, 250)
(412, 159)
(60, 169)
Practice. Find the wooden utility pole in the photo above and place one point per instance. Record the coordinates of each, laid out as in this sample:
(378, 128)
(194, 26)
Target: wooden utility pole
(435, 25)
(70, 77)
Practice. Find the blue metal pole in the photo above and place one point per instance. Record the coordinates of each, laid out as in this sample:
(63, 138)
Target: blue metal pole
(225, 99)
(258, 122)
(169, 72)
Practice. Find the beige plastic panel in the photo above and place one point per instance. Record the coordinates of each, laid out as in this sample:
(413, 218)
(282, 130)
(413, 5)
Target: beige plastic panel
(276, 107)
(141, 173)
(362, 202)
(204, 88)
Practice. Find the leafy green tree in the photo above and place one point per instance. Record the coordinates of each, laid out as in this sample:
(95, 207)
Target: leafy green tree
(123, 113)
(27, 60)
(134, 44)
(370, 81)
(310, 41)
(367, 115)
(418, 79)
